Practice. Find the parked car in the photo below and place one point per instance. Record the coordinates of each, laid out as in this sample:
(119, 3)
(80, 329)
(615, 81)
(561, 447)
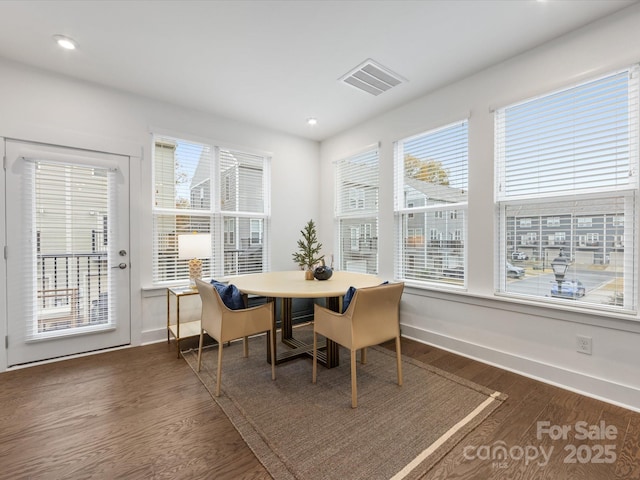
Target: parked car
(570, 289)
(514, 272)
(519, 256)
(454, 272)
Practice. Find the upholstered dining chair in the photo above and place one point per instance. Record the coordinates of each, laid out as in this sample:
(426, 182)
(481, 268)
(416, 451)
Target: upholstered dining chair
(372, 317)
(224, 325)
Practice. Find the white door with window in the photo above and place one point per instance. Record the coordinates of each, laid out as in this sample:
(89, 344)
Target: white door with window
(68, 282)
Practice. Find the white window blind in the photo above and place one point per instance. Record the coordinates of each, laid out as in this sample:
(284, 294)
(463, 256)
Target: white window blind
(356, 212)
(572, 141)
(567, 185)
(67, 278)
(245, 211)
(431, 196)
(209, 189)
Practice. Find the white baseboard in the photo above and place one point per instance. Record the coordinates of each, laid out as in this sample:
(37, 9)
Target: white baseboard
(599, 388)
(154, 336)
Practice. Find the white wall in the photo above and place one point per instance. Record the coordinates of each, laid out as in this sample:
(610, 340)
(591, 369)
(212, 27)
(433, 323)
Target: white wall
(3, 263)
(537, 341)
(42, 107)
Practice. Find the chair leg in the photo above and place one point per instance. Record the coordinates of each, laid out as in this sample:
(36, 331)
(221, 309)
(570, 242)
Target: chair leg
(315, 357)
(399, 360)
(363, 355)
(219, 372)
(245, 346)
(200, 349)
(354, 387)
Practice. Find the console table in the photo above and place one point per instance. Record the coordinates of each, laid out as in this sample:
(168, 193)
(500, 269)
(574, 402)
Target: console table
(177, 328)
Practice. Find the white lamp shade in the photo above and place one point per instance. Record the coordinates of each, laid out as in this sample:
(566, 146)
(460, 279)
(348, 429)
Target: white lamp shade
(194, 245)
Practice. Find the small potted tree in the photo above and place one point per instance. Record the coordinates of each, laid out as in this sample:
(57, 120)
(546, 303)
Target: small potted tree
(308, 253)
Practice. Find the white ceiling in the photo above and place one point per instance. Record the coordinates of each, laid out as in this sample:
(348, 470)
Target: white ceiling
(276, 63)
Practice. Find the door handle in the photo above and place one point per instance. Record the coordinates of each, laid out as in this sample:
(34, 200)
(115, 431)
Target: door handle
(121, 266)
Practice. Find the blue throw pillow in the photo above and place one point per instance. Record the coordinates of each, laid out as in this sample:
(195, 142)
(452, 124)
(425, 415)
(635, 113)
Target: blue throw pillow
(229, 294)
(349, 296)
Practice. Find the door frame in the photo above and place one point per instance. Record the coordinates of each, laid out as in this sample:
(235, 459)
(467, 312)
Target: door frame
(3, 262)
(90, 143)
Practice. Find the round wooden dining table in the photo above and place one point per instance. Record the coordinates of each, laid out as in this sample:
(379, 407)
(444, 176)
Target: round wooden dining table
(287, 285)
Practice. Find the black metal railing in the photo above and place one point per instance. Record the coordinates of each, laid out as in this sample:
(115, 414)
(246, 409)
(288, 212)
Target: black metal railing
(98, 241)
(69, 287)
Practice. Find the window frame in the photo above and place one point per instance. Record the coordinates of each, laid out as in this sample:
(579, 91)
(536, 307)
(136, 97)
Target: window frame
(438, 266)
(580, 242)
(211, 214)
(356, 210)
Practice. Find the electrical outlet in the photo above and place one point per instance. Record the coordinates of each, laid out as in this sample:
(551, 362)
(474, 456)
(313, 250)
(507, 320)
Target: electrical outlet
(583, 344)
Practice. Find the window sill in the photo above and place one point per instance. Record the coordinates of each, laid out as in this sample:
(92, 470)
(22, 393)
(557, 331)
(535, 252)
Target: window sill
(629, 322)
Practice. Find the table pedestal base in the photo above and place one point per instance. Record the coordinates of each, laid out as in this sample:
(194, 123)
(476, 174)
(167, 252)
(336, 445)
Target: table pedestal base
(328, 351)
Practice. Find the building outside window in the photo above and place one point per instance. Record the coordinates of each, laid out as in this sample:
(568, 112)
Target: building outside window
(431, 196)
(209, 189)
(356, 212)
(567, 186)
(415, 237)
(356, 198)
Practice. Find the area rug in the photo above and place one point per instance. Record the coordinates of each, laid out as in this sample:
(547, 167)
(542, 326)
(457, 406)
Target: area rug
(305, 431)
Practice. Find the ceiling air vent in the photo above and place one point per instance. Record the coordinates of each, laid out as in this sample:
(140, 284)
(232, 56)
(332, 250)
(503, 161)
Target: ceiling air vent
(373, 78)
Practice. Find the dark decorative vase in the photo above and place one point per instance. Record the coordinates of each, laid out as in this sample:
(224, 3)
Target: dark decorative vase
(322, 272)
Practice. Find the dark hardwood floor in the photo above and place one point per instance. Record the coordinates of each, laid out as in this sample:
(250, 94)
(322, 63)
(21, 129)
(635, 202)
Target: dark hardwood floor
(141, 413)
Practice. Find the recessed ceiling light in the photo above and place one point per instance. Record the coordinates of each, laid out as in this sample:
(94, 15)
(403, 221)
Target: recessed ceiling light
(65, 42)
(312, 121)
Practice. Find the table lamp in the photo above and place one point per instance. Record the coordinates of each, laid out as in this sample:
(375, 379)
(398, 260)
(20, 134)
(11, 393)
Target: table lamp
(193, 247)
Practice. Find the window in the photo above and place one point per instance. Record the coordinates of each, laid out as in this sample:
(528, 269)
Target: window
(589, 240)
(356, 198)
(226, 188)
(256, 231)
(525, 223)
(530, 238)
(70, 208)
(355, 238)
(618, 241)
(569, 161)
(584, 222)
(356, 212)
(415, 237)
(209, 189)
(431, 196)
(229, 231)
